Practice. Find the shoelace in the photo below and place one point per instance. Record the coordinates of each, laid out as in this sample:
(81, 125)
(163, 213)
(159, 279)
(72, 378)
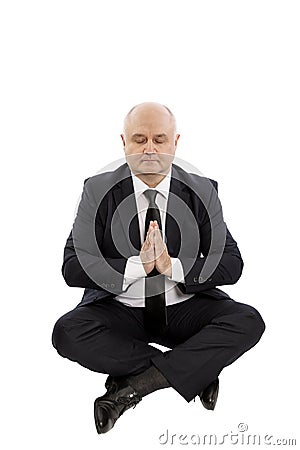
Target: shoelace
(127, 400)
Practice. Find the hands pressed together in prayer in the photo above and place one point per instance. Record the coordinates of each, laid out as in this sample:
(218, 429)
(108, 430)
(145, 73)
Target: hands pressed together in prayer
(154, 252)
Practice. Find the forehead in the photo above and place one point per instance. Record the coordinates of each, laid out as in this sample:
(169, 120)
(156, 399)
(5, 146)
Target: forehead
(150, 121)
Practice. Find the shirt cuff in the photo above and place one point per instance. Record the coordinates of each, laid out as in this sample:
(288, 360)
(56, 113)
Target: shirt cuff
(177, 271)
(134, 270)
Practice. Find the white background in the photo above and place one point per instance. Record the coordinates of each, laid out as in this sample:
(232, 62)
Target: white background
(70, 71)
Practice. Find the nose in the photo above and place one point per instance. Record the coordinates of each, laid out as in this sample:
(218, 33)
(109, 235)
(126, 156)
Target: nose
(149, 147)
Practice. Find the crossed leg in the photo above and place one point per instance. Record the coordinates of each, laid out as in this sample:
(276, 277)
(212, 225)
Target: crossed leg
(204, 335)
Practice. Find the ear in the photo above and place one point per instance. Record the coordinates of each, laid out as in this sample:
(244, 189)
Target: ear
(123, 139)
(176, 139)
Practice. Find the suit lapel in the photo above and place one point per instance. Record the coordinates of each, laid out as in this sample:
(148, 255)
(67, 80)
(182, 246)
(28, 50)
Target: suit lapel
(176, 216)
(127, 212)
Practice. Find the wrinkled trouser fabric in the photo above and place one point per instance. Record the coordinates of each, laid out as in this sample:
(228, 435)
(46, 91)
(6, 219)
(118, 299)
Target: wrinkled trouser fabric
(204, 335)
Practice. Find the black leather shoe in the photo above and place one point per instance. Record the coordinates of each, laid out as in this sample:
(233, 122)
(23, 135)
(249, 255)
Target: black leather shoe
(119, 397)
(209, 395)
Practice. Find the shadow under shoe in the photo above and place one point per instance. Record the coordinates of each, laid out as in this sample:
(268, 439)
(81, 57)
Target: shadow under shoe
(119, 397)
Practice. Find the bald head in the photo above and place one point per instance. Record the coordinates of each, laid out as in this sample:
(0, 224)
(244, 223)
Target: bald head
(146, 110)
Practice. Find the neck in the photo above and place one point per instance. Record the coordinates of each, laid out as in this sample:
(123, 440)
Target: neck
(151, 179)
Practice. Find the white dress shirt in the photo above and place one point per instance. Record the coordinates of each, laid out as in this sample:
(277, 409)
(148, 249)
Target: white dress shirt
(134, 277)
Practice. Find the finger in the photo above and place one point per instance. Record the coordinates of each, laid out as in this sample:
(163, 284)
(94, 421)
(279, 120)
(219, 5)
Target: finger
(150, 228)
(157, 242)
(158, 237)
(151, 238)
(149, 231)
(160, 246)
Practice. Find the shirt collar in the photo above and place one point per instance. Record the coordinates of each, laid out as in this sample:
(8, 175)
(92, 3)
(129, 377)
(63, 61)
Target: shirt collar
(163, 187)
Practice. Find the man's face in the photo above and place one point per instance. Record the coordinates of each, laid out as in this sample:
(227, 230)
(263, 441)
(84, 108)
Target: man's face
(150, 141)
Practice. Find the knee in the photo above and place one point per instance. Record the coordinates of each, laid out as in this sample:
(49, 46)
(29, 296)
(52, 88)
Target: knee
(253, 324)
(59, 336)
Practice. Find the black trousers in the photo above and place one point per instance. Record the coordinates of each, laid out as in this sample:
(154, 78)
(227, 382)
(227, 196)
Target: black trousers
(203, 336)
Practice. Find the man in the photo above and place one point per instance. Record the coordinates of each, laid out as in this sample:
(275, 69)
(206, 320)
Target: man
(149, 245)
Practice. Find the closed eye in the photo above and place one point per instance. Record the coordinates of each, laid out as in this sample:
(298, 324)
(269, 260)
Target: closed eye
(139, 138)
(160, 138)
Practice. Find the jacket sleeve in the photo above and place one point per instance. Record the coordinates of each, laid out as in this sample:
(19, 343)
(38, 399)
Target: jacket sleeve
(84, 264)
(219, 260)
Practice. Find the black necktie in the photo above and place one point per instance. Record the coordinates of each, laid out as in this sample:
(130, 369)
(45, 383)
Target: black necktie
(155, 302)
